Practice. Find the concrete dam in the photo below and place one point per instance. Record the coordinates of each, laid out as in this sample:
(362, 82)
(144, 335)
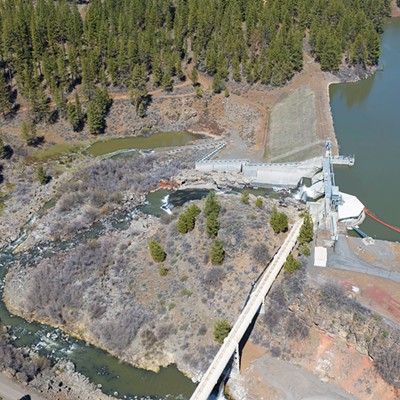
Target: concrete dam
(285, 175)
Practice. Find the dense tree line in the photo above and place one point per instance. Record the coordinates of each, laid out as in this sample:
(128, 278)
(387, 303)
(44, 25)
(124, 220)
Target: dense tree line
(47, 47)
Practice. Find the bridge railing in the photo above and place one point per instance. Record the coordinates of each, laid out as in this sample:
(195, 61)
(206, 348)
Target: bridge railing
(231, 343)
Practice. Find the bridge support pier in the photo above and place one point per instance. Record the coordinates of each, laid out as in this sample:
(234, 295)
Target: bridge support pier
(262, 309)
(236, 360)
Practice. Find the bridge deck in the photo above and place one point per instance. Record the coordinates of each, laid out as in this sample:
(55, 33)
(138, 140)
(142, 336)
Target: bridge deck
(226, 351)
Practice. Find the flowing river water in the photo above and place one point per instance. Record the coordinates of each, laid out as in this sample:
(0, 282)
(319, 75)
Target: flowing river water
(366, 118)
(100, 367)
(160, 139)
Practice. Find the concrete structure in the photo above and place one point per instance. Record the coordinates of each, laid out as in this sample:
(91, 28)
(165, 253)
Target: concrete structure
(350, 207)
(221, 165)
(320, 256)
(282, 174)
(213, 152)
(286, 175)
(231, 343)
(343, 160)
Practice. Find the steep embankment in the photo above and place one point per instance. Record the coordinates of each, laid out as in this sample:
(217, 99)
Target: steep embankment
(328, 333)
(111, 293)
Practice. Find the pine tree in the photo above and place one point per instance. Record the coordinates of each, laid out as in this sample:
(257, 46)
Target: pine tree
(157, 74)
(5, 104)
(194, 76)
(292, 264)
(211, 206)
(157, 252)
(167, 81)
(95, 118)
(218, 84)
(79, 112)
(40, 106)
(96, 111)
(221, 330)
(306, 234)
(138, 90)
(217, 253)
(245, 197)
(29, 132)
(75, 114)
(279, 221)
(236, 70)
(212, 225)
(182, 224)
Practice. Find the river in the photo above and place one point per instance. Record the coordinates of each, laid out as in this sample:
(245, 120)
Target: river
(366, 120)
(157, 140)
(365, 117)
(99, 366)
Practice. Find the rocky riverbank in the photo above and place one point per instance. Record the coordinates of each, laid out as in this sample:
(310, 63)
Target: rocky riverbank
(156, 323)
(52, 379)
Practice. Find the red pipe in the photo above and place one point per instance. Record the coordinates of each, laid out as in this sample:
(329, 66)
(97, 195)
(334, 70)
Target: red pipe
(370, 214)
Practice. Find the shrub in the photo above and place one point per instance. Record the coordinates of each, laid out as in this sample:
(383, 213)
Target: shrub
(186, 292)
(213, 277)
(279, 221)
(217, 253)
(305, 249)
(245, 197)
(221, 330)
(259, 202)
(292, 264)
(157, 252)
(163, 270)
(260, 253)
(41, 175)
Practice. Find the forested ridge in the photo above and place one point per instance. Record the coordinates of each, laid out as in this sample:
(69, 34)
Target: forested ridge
(49, 47)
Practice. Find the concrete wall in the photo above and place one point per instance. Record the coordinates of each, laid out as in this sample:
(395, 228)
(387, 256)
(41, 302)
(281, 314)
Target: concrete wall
(273, 174)
(221, 165)
(281, 174)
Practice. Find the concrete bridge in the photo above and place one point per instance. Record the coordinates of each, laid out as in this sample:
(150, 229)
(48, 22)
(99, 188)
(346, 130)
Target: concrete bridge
(255, 302)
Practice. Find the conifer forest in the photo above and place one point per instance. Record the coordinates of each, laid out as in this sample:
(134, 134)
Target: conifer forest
(48, 48)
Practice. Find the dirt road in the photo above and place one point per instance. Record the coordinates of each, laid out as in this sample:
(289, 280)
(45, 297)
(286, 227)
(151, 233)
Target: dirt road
(11, 390)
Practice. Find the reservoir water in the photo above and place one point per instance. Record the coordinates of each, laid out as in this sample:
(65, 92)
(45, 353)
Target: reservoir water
(366, 117)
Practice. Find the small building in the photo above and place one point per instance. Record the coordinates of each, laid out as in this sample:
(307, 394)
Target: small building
(320, 256)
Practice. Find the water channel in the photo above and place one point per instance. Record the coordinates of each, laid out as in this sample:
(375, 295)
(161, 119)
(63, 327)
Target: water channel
(160, 139)
(366, 119)
(100, 367)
